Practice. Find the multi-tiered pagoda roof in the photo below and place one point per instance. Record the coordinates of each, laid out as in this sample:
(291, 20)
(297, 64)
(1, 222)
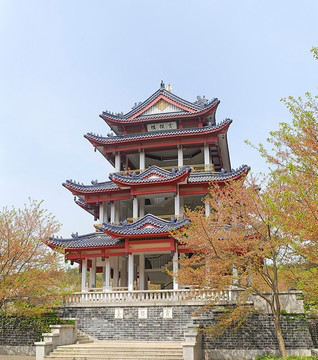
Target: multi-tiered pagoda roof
(167, 153)
(162, 105)
(120, 184)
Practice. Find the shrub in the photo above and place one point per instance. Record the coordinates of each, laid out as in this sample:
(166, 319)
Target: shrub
(39, 322)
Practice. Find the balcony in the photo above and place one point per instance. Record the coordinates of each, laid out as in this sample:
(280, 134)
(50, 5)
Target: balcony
(194, 168)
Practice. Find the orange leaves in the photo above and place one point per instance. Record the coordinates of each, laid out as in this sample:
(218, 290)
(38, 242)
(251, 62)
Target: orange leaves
(241, 245)
(28, 269)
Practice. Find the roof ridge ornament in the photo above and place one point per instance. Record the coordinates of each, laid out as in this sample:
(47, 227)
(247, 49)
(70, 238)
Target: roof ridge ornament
(162, 85)
(203, 101)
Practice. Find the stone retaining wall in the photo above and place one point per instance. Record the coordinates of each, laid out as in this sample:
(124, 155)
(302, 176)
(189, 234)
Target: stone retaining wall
(313, 328)
(259, 333)
(149, 323)
(16, 332)
(169, 323)
(163, 323)
(17, 337)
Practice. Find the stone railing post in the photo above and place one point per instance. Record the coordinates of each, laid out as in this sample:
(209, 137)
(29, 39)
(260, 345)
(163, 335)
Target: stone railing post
(192, 346)
(60, 335)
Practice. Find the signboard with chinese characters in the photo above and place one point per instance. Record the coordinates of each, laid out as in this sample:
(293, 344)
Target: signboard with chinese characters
(119, 313)
(171, 125)
(167, 313)
(142, 313)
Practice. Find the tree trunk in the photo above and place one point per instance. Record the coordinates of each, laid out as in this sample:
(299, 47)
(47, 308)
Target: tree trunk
(279, 336)
(275, 305)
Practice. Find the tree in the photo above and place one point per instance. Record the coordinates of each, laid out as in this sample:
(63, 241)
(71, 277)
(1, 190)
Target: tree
(240, 245)
(268, 234)
(294, 158)
(296, 172)
(314, 51)
(29, 270)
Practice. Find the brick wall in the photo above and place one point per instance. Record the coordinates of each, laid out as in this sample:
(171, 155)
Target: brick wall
(15, 332)
(313, 328)
(132, 323)
(257, 333)
(100, 322)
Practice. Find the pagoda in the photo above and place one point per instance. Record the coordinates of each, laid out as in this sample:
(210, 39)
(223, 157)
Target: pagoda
(166, 152)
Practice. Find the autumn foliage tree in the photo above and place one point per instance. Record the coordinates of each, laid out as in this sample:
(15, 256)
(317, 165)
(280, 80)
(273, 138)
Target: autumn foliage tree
(294, 168)
(262, 237)
(239, 246)
(294, 162)
(29, 271)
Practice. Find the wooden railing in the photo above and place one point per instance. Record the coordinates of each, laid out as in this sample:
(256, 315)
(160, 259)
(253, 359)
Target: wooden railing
(195, 167)
(164, 217)
(115, 297)
(131, 219)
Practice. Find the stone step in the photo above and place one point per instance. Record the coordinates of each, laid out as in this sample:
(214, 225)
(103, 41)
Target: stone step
(82, 338)
(119, 353)
(120, 344)
(84, 341)
(113, 356)
(107, 350)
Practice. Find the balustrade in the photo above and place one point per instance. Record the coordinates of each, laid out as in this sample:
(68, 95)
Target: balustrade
(113, 297)
(194, 167)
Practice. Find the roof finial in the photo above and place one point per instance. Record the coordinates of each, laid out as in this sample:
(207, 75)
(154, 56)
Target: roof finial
(162, 85)
(169, 88)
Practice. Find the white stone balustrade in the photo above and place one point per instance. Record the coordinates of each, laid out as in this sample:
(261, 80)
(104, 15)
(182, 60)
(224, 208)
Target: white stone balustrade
(150, 296)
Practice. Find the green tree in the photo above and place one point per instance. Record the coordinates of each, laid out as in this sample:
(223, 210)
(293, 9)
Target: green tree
(29, 271)
(295, 158)
(294, 169)
(295, 161)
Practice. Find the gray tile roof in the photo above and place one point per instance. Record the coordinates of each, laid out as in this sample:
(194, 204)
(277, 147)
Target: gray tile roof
(97, 239)
(204, 176)
(194, 177)
(145, 176)
(198, 106)
(157, 134)
(81, 202)
(95, 187)
(90, 208)
(149, 224)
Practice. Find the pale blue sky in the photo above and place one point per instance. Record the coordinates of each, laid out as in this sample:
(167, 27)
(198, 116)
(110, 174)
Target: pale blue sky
(62, 62)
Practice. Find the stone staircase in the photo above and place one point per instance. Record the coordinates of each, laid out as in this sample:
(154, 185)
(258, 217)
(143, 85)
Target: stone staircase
(82, 338)
(109, 350)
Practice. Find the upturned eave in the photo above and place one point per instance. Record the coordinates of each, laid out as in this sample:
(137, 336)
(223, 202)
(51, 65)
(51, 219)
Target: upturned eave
(98, 140)
(111, 119)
